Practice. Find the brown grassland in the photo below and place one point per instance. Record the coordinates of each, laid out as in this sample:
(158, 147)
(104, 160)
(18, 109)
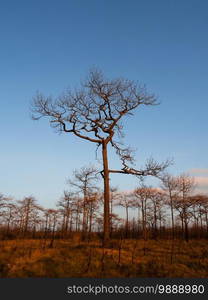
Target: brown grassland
(126, 258)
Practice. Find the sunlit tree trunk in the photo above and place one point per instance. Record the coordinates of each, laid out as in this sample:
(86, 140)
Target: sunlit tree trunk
(106, 225)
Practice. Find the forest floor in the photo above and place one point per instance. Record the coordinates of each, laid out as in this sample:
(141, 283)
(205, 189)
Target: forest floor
(129, 258)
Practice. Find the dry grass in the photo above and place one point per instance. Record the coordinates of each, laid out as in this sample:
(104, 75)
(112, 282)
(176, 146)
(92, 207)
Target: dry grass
(73, 258)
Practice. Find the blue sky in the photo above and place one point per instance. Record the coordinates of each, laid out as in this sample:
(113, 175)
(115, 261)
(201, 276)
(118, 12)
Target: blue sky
(50, 45)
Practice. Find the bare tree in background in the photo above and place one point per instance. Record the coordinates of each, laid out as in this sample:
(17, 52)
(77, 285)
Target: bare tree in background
(171, 186)
(142, 195)
(204, 204)
(65, 205)
(4, 201)
(113, 196)
(27, 206)
(84, 179)
(199, 212)
(9, 215)
(94, 113)
(184, 202)
(126, 201)
(93, 204)
(157, 198)
(52, 219)
(8, 211)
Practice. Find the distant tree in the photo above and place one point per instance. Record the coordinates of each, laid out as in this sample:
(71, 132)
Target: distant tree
(2, 199)
(113, 197)
(143, 195)
(65, 205)
(93, 204)
(84, 180)
(184, 202)
(7, 212)
(78, 206)
(157, 199)
(53, 215)
(9, 215)
(26, 207)
(199, 212)
(126, 201)
(94, 113)
(3, 202)
(171, 186)
(136, 204)
(204, 209)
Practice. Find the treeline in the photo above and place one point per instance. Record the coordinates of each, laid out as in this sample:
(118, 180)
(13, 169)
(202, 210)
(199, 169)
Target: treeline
(170, 211)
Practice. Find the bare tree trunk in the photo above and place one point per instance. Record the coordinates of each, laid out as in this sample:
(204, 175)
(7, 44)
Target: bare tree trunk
(155, 222)
(45, 233)
(160, 226)
(71, 223)
(106, 225)
(172, 218)
(186, 230)
(143, 221)
(77, 219)
(66, 225)
(111, 215)
(63, 225)
(186, 234)
(182, 226)
(201, 223)
(8, 223)
(90, 222)
(197, 233)
(138, 221)
(53, 234)
(206, 218)
(127, 222)
(79, 222)
(34, 232)
(26, 221)
(84, 220)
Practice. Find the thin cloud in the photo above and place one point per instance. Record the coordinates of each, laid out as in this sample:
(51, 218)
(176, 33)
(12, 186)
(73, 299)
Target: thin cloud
(202, 181)
(201, 184)
(199, 171)
(127, 192)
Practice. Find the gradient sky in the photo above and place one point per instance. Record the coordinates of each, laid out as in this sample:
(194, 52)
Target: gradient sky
(50, 45)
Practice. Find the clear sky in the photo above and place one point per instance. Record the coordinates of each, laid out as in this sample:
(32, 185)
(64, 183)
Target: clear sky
(50, 45)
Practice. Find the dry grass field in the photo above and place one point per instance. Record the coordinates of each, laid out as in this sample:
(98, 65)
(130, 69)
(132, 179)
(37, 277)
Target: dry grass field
(126, 258)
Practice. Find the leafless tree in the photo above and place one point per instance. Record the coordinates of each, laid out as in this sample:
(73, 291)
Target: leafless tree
(204, 208)
(65, 205)
(136, 204)
(26, 210)
(8, 212)
(171, 185)
(93, 204)
(94, 113)
(183, 202)
(199, 212)
(78, 207)
(126, 201)
(143, 195)
(9, 215)
(84, 180)
(53, 219)
(157, 199)
(113, 197)
(2, 200)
